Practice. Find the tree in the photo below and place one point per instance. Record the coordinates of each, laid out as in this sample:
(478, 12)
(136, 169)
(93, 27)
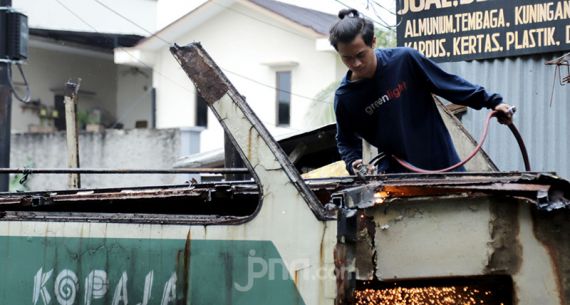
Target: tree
(321, 111)
(385, 38)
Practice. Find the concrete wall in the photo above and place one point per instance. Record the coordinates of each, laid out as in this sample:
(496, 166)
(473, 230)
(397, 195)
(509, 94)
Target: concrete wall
(141, 148)
(242, 41)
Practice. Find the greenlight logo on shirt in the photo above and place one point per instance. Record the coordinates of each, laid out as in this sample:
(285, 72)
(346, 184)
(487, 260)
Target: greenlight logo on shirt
(391, 94)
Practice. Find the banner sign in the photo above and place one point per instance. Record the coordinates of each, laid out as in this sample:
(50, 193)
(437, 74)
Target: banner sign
(455, 30)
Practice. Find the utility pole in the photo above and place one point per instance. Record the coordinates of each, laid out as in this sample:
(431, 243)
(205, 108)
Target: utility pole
(13, 49)
(5, 97)
(5, 121)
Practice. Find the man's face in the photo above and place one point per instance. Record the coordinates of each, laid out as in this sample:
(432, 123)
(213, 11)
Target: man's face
(358, 57)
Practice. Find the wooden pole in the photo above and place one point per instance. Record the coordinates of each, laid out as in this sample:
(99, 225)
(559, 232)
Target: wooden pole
(70, 101)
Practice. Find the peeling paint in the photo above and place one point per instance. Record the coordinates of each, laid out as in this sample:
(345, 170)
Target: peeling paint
(345, 256)
(505, 247)
(365, 247)
(186, 271)
(553, 230)
(249, 135)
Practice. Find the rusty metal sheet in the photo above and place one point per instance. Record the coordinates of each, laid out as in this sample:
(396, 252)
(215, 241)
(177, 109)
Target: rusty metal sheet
(463, 225)
(468, 237)
(395, 186)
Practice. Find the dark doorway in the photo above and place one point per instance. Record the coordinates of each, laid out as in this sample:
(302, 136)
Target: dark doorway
(59, 105)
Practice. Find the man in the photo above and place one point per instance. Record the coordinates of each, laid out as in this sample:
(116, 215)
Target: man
(386, 99)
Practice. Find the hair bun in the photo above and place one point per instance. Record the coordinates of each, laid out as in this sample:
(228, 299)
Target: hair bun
(350, 12)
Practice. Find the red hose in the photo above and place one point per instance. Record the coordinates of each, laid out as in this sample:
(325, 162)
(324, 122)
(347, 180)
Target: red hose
(474, 152)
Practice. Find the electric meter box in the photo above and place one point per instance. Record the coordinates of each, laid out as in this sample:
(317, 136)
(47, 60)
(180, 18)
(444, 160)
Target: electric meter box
(14, 35)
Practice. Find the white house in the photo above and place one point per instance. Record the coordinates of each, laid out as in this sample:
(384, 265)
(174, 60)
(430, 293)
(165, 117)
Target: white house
(277, 55)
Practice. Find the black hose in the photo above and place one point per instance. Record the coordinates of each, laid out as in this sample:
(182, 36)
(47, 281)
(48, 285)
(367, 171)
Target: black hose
(522, 147)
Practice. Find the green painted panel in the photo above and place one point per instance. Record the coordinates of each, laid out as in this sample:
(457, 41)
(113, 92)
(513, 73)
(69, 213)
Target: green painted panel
(50, 270)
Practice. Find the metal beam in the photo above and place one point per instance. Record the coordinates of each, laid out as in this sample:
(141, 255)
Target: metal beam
(123, 171)
(259, 150)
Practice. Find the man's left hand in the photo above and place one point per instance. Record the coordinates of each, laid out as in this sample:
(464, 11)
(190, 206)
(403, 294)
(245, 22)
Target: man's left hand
(505, 115)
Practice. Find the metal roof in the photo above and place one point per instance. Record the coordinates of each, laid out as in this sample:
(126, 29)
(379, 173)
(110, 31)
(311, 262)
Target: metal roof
(528, 83)
(107, 41)
(318, 21)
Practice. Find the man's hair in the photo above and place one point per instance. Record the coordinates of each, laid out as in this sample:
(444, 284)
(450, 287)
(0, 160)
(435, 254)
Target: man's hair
(350, 25)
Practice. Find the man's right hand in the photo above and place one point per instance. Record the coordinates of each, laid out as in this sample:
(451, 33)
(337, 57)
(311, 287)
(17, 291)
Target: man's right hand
(506, 113)
(357, 165)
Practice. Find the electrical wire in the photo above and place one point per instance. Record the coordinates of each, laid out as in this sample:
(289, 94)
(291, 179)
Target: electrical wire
(274, 88)
(184, 87)
(371, 6)
(259, 20)
(171, 80)
(26, 99)
(385, 22)
(225, 70)
(378, 23)
(132, 22)
(77, 16)
(166, 42)
(145, 95)
(383, 7)
(162, 75)
(214, 2)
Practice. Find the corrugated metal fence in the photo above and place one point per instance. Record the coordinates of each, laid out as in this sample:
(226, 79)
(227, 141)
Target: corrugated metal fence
(527, 83)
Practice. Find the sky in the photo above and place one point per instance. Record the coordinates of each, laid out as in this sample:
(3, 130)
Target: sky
(148, 16)
(379, 10)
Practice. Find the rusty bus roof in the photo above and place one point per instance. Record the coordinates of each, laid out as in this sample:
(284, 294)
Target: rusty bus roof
(534, 186)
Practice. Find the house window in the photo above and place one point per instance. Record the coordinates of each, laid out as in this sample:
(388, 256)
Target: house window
(201, 111)
(283, 97)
